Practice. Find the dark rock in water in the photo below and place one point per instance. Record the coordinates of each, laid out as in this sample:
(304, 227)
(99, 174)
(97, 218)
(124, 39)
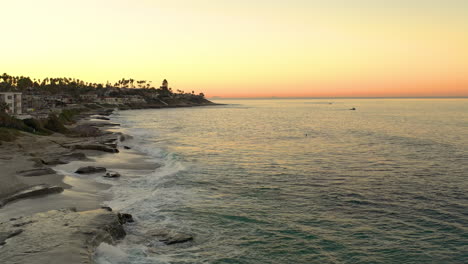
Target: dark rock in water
(37, 190)
(107, 208)
(90, 169)
(36, 172)
(170, 238)
(96, 147)
(112, 174)
(125, 147)
(352, 109)
(125, 218)
(177, 239)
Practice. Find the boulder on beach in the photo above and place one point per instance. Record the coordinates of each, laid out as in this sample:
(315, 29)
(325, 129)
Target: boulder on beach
(90, 169)
(112, 174)
(36, 172)
(63, 159)
(38, 190)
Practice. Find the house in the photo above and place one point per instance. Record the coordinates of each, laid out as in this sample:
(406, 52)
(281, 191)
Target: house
(13, 101)
(133, 99)
(111, 100)
(89, 97)
(33, 102)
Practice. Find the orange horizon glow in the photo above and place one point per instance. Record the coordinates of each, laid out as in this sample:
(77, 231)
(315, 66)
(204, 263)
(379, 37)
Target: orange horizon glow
(302, 48)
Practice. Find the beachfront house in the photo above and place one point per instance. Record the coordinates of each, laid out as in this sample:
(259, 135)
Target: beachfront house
(89, 97)
(12, 101)
(133, 99)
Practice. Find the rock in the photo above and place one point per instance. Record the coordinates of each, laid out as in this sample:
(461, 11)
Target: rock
(96, 147)
(37, 162)
(125, 218)
(23, 223)
(64, 159)
(86, 131)
(37, 190)
(112, 145)
(90, 169)
(6, 235)
(74, 156)
(170, 237)
(108, 140)
(124, 137)
(101, 118)
(101, 124)
(112, 174)
(352, 109)
(125, 147)
(36, 172)
(107, 208)
(53, 161)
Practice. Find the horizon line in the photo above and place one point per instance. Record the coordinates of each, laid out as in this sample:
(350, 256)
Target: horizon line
(344, 97)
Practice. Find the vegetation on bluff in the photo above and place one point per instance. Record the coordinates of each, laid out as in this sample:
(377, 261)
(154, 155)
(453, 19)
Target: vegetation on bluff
(76, 87)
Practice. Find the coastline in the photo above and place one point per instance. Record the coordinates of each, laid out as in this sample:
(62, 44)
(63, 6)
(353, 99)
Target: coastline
(50, 196)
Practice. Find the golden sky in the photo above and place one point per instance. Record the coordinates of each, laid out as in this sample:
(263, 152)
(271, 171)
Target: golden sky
(245, 48)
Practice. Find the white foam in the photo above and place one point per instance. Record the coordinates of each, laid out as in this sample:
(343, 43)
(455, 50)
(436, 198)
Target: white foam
(107, 254)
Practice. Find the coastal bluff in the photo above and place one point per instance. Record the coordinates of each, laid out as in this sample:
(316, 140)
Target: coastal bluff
(58, 236)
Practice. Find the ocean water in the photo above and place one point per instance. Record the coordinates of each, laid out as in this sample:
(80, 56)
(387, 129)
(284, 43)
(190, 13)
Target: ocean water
(298, 181)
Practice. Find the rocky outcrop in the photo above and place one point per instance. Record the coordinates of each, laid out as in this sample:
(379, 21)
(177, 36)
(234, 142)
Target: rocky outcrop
(36, 172)
(63, 159)
(58, 236)
(86, 131)
(101, 124)
(42, 189)
(90, 169)
(97, 147)
(9, 234)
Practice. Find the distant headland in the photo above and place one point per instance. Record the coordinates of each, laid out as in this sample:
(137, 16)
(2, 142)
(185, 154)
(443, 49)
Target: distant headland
(24, 97)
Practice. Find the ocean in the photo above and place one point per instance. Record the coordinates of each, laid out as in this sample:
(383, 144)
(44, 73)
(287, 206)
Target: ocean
(297, 181)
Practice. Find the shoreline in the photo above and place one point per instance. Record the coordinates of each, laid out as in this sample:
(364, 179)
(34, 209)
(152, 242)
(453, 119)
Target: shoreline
(31, 162)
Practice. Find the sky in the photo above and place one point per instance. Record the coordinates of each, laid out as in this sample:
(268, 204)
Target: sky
(245, 48)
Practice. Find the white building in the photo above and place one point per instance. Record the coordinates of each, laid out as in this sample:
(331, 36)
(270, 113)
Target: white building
(13, 100)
